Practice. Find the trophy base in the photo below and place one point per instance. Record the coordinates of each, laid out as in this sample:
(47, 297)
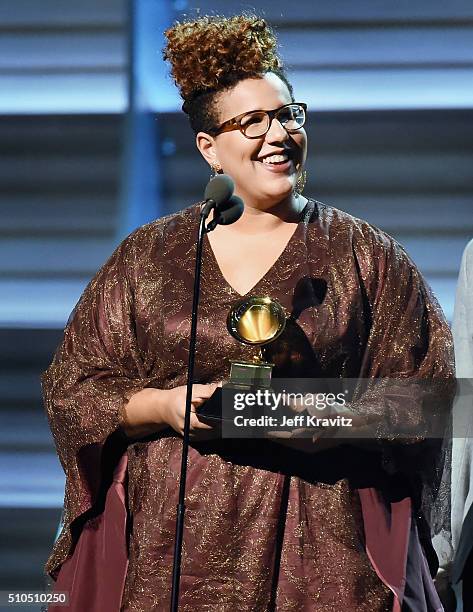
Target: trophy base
(249, 375)
(244, 376)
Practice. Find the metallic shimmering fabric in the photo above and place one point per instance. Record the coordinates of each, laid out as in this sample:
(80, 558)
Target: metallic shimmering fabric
(358, 308)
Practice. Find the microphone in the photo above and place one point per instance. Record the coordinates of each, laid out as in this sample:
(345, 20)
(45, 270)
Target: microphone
(219, 190)
(227, 213)
(219, 197)
(227, 209)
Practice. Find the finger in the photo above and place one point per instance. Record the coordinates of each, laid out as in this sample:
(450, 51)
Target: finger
(196, 404)
(296, 405)
(201, 398)
(304, 432)
(196, 424)
(203, 391)
(282, 435)
(214, 422)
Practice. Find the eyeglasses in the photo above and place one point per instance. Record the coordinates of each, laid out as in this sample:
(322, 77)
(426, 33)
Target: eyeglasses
(254, 124)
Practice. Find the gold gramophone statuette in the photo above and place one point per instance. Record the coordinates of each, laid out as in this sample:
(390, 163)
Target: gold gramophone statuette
(255, 321)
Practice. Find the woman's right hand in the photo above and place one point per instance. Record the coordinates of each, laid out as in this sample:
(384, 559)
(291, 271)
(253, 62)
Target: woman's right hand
(172, 407)
(151, 410)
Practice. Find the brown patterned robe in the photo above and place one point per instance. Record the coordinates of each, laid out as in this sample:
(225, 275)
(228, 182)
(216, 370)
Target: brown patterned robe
(359, 308)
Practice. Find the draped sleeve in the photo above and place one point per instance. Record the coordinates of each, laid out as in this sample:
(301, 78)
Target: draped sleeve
(409, 359)
(409, 352)
(95, 370)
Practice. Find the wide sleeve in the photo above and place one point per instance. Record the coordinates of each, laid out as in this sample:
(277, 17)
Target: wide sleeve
(408, 374)
(95, 370)
(407, 367)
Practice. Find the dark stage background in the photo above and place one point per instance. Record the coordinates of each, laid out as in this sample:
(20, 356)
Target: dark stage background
(93, 144)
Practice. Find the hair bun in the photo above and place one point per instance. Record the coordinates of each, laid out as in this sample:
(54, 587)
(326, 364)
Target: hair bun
(203, 53)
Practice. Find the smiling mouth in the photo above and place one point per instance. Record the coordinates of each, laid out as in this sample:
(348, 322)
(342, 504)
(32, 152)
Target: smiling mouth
(275, 159)
(277, 163)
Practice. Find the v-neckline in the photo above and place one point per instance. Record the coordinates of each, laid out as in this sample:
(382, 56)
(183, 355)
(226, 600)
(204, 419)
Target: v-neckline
(208, 248)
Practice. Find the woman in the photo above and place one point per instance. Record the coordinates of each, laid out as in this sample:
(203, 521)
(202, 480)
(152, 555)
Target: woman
(339, 528)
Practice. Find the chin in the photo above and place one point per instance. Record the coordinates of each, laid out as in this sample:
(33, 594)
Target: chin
(269, 193)
(267, 200)
(281, 191)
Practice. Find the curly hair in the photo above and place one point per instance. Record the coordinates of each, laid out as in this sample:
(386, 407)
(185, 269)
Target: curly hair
(212, 54)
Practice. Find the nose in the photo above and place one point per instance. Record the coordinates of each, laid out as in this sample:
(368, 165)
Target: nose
(276, 132)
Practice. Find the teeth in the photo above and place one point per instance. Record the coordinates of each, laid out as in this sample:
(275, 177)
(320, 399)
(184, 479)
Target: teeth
(274, 159)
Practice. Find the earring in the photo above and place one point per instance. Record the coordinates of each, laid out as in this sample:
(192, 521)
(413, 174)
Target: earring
(216, 169)
(301, 181)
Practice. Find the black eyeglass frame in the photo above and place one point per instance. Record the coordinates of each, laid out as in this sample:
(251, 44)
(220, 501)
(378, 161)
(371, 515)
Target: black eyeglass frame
(235, 122)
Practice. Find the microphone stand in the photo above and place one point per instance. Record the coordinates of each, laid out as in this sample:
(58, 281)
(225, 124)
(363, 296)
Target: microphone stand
(181, 508)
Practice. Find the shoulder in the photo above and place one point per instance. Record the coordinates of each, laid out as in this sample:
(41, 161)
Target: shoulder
(467, 259)
(355, 233)
(464, 293)
(180, 220)
(143, 250)
(376, 258)
(147, 241)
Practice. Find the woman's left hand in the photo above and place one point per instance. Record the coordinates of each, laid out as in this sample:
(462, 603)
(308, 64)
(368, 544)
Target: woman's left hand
(304, 439)
(351, 428)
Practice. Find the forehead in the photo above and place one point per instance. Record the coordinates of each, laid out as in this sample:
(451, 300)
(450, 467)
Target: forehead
(265, 93)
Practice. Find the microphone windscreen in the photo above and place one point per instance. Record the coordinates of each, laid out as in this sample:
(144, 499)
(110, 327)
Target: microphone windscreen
(219, 189)
(231, 211)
